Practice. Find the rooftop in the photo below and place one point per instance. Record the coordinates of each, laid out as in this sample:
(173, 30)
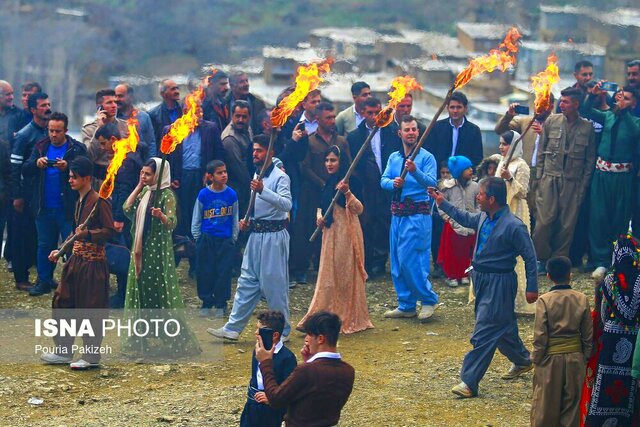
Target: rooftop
(302, 56)
(479, 30)
(562, 9)
(357, 35)
(584, 48)
(620, 17)
(437, 65)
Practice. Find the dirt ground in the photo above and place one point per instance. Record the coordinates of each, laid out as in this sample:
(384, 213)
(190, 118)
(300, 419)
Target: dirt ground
(404, 371)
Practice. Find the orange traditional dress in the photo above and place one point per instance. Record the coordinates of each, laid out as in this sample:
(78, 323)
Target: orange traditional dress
(341, 276)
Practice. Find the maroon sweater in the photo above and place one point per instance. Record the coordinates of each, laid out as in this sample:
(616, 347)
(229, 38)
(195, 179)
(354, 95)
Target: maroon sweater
(314, 393)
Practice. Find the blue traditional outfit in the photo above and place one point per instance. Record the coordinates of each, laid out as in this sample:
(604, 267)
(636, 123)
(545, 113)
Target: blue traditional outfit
(499, 241)
(410, 235)
(265, 268)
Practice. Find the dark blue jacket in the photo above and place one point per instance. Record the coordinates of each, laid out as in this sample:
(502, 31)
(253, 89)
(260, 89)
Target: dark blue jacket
(159, 116)
(29, 169)
(211, 149)
(439, 142)
(23, 146)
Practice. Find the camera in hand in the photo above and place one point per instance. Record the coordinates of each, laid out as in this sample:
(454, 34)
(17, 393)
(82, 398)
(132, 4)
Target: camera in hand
(522, 109)
(51, 162)
(267, 337)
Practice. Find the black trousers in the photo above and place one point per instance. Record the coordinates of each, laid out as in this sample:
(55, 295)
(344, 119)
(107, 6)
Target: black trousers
(190, 186)
(24, 243)
(213, 272)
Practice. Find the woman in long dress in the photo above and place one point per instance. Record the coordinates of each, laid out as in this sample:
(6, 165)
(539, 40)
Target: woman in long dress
(153, 280)
(341, 276)
(516, 176)
(609, 393)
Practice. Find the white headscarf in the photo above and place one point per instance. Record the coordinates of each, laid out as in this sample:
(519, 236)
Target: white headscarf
(517, 154)
(141, 213)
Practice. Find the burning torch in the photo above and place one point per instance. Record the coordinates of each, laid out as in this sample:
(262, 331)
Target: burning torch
(121, 148)
(501, 58)
(180, 129)
(542, 84)
(401, 86)
(308, 79)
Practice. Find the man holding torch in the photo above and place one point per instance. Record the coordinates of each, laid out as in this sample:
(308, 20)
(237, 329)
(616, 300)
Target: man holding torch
(85, 277)
(265, 268)
(410, 235)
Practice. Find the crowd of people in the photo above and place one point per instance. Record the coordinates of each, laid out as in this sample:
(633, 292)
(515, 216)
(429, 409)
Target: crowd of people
(550, 200)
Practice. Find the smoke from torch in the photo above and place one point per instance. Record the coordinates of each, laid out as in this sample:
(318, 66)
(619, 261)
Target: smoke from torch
(401, 86)
(503, 57)
(185, 124)
(308, 79)
(542, 84)
(121, 148)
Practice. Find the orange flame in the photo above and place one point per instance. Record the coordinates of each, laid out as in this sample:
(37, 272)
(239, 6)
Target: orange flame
(185, 124)
(308, 79)
(401, 86)
(503, 57)
(543, 83)
(121, 148)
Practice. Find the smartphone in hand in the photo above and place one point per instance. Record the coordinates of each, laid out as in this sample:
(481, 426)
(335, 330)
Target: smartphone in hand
(267, 337)
(522, 109)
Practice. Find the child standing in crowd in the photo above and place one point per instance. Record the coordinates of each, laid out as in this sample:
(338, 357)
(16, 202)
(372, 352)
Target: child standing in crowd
(437, 224)
(214, 226)
(487, 167)
(562, 342)
(456, 243)
(257, 411)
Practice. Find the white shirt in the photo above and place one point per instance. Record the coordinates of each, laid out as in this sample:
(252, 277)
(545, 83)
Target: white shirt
(309, 126)
(534, 157)
(259, 381)
(376, 147)
(357, 115)
(454, 136)
(325, 355)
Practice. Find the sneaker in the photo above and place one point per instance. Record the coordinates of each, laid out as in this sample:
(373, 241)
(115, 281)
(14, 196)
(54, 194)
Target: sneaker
(542, 269)
(292, 284)
(399, 314)
(40, 289)
(219, 313)
(10, 267)
(55, 359)
(463, 391)
(515, 371)
(223, 333)
(285, 338)
(83, 365)
(24, 286)
(426, 312)
(452, 283)
(598, 273)
(204, 312)
(437, 273)
(465, 281)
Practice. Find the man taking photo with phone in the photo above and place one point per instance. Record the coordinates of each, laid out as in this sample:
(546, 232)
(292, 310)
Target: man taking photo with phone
(257, 411)
(317, 390)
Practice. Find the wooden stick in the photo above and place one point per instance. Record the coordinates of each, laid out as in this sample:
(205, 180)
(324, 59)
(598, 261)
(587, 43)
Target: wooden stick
(426, 133)
(263, 170)
(350, 171)
(515, 143)
(67, 244)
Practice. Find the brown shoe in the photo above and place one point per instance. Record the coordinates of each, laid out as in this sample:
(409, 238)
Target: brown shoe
(24, 286)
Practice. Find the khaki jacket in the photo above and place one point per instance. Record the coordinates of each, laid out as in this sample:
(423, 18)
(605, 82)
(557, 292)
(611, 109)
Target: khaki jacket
(567, 152)
(561, 313)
